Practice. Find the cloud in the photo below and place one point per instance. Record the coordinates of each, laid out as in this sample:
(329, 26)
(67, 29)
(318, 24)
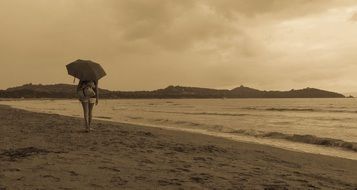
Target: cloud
(169, 25)
(177, 25)
(150, 44)
(354, 17)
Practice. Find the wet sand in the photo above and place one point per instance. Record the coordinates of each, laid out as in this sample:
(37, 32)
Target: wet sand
(49, 151)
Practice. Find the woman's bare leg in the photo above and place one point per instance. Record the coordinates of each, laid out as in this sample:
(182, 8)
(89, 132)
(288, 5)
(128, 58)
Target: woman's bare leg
(85, 106)
(90, 113)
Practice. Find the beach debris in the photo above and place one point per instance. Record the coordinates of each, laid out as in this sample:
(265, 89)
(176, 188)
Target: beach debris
(21, 153)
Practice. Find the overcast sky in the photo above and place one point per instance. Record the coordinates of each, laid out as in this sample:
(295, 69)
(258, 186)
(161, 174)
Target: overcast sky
(150, 44)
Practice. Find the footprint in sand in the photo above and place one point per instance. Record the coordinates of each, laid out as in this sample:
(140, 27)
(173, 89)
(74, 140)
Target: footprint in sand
(12, 170)
(109, 168)
(96, 186)
(200, 178)
(167, 182)
(140, 178)
(118, 181)
(73, 173)
(183, 169)
(56, 179)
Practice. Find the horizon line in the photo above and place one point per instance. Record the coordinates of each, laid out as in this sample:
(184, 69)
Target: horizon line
(38, 84)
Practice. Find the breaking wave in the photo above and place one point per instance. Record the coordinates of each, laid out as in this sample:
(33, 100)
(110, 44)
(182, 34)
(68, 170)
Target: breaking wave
(202, 113)
(308, 139)
(300, 110)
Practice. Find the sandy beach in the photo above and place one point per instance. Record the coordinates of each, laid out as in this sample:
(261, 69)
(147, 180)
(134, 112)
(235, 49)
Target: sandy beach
(49, 151)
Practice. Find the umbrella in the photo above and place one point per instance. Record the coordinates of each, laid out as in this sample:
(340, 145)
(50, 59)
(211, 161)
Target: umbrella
(86, 70)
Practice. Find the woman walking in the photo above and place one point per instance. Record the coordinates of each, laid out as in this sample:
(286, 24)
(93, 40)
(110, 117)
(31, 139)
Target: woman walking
(88, 95)
(89, 73)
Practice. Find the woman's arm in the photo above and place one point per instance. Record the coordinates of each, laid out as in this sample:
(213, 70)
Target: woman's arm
(79, 85)
(97, 92)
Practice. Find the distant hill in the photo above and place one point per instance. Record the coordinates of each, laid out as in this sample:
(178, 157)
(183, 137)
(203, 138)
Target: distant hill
(42, 91)
(69, 91)
(350, 94)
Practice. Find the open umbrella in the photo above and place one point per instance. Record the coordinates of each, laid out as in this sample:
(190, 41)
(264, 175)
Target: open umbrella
(86, 70)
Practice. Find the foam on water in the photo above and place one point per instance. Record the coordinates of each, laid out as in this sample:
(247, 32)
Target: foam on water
(324, 126)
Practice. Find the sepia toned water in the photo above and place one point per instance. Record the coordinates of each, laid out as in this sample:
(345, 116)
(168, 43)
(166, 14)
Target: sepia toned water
(323, 126)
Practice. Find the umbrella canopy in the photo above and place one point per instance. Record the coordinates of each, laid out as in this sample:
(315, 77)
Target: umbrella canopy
(86, 70)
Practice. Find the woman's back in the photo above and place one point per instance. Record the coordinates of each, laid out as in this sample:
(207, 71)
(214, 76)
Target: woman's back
(84, 84)
(86, 89)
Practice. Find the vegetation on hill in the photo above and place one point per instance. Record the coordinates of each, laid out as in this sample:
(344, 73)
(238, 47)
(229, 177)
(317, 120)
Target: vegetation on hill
(69, 91)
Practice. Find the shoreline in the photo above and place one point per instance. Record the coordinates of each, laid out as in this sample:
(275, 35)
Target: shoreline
(25, 99)
(130, 156)
(279, 142)
(293, 142)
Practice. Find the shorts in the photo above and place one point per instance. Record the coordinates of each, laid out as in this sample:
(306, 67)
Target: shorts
(90, 100)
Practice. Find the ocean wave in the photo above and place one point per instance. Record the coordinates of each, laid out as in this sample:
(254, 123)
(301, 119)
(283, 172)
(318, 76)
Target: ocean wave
(300, 110)
(187, 123)
(311, 139)
(308, 139)
(201, 113)
(282, 109)
(103, 117)
(215, 113)
(292, 109)
(190, 124)
(342, 111)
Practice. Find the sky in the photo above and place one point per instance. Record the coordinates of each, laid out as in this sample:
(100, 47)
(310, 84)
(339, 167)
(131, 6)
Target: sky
(146, 45)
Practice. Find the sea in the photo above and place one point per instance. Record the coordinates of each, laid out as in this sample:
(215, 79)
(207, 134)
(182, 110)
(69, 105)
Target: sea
(319, 126)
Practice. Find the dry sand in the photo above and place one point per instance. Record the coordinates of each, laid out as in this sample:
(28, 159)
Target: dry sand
(48, 151)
